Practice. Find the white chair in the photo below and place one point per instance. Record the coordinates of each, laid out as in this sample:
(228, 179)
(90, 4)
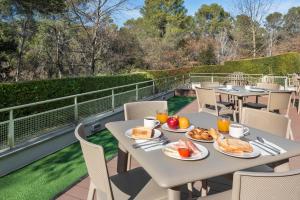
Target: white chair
(134, 184)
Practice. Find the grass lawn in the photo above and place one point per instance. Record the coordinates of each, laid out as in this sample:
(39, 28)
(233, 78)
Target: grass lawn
(48, 176)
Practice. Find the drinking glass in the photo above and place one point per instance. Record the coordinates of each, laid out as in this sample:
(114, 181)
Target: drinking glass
(223, 124)
(162, 116)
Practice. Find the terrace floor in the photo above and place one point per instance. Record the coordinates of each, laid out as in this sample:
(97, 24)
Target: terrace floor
(80, 190)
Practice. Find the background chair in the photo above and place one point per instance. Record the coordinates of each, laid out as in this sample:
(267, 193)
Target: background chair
(207, 102)
(134, 184)
(261, 186)
(276, 101)
(268, 86)
(142, 109)
(271, 123)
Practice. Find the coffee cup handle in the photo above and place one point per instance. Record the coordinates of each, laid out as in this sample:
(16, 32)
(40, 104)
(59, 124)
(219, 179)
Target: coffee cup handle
(157, 123)
(246, 131)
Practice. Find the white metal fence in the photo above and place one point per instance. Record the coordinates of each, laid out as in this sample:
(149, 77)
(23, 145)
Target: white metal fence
(16, 130)
(240, 79)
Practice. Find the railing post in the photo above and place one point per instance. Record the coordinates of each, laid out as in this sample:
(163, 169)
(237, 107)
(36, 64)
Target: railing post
(286, 82)
(75, 109)
(153, 87)
(113, 100)
(212, 78)
(137, 92)
(11, 130)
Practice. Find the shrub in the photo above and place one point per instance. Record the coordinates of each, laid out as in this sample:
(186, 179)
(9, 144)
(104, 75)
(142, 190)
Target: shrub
(279, 65)
(13, 94)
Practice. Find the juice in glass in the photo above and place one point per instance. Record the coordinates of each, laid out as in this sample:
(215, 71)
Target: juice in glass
(162, 116)
(223, 124)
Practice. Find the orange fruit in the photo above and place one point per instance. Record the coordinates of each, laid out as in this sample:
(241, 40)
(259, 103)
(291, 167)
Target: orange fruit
(184, 122)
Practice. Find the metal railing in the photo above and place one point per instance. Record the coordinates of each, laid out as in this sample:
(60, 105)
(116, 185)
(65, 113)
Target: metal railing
(16, 130)
(245, 79)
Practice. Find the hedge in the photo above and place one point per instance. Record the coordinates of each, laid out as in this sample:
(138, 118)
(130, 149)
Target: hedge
(13, 94)
(280, 65)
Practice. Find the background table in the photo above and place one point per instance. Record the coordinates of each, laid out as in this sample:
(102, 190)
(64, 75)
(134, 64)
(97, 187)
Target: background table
(171, 173)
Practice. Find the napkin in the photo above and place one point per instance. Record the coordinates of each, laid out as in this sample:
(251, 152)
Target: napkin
(150, 143)
(264, 153)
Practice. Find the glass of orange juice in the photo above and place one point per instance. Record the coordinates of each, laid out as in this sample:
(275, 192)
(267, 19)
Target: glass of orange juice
(223, 124)
(162, 116)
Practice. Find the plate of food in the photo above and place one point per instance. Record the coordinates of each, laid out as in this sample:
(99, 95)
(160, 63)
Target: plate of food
(203, 135)
(143, 133)
(236, 148)
(177, 124)
(185, 150)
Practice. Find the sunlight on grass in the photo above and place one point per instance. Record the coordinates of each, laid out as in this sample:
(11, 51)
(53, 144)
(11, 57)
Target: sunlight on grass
(48, 176)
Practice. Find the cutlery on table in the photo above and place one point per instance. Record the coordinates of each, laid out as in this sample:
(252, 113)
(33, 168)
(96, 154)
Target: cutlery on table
(150, 142)
(157, 144)
(263, 148)
(263, 142)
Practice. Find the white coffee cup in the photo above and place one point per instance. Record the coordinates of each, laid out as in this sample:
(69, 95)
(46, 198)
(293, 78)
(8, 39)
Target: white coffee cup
(150, 122)
(229, 87)
(238, 131)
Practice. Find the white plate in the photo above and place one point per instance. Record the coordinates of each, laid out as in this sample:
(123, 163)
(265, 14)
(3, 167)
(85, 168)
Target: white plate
(179, 130)
(203, 152)
(156, 134)
(256, 90)
(254, 154)
(207, 141)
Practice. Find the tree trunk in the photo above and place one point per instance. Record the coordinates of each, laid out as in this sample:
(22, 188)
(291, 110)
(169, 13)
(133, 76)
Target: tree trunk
(254, 40)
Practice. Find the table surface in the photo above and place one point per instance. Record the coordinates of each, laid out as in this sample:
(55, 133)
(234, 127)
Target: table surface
(169, 172)
(242, 92)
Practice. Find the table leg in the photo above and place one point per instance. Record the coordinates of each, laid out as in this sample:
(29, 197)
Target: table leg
(204, 189)
(256, 100)
(174, 193)
(122, 159)
(240, 99)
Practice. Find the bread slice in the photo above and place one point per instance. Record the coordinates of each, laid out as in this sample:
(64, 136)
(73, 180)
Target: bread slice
(234, 146)
(142, 133)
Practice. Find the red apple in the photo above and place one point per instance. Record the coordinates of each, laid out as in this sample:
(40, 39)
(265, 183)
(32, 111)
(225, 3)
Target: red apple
(173, 122)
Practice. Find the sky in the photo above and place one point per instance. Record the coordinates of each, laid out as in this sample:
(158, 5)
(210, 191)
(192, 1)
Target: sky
(193, 5)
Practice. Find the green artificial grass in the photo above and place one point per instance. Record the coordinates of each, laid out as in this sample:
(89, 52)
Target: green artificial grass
(48, 176)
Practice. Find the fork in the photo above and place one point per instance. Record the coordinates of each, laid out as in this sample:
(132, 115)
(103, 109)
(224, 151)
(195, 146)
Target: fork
(149, 142)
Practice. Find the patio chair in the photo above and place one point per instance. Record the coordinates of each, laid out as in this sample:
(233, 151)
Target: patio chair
(268, 86)
(276, 101)
(212, 85)
(272, 123)
(207, 102)
(276, 124)
(261, 186)
(134, 184)
(140, 110)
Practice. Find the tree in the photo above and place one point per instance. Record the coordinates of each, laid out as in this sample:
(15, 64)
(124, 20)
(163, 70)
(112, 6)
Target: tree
(212, 19)
(256, 11)
(94, 17)
(273, 25)
(160, 13)
(292, 21)
(207, 56)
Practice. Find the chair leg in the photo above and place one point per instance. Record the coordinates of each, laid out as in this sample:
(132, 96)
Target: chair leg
(129, 162)
(190, 190)
(91, 193)
(234, 115)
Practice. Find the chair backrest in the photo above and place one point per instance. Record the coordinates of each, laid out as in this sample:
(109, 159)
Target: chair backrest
(209, 84)
(268, 86)
(96, 165)
(266, 186)
(206, 97)
(266, 121)
(139, 110)
(279, 101)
